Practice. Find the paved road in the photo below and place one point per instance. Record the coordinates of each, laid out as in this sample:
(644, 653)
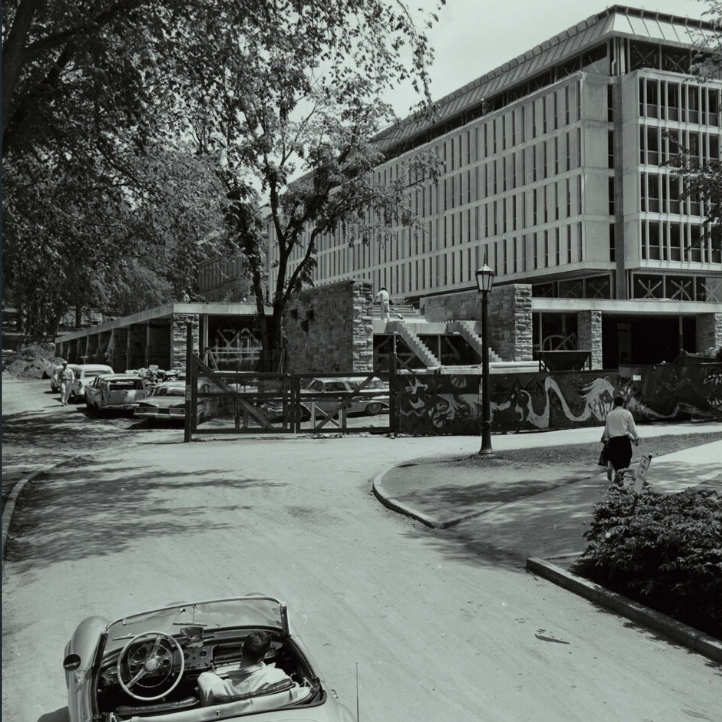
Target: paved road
(439, 632)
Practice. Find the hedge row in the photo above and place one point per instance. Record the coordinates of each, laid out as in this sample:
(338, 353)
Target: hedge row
(665, 550)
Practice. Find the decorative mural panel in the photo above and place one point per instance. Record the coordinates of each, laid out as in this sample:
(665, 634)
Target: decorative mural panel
(666, 392)
(435, 404)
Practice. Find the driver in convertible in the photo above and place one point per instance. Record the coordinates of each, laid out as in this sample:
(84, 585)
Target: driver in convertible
(253, 676)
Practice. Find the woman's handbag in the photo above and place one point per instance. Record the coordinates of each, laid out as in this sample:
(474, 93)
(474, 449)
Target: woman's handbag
(603, 456)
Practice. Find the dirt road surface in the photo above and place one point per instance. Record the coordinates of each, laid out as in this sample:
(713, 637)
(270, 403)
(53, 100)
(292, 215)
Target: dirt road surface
(439, 632)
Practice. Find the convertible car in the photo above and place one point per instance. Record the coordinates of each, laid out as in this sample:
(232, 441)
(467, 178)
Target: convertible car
(145, 668)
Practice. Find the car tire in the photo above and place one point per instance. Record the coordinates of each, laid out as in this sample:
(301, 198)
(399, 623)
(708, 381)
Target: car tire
(90, 407)
(374, 408)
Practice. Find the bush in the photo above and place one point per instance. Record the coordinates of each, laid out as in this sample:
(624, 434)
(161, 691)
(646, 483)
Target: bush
(663, 549)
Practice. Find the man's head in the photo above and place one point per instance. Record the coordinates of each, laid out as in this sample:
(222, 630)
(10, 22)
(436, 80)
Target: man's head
(65, 364)
(254, 648)
(383, 288)
(618, 401)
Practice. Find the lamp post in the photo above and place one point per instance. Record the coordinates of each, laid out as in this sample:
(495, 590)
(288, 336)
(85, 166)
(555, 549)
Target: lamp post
(484, 282)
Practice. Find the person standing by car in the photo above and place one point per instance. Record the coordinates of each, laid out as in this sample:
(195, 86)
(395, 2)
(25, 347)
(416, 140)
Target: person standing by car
(254, 675)
(65, 378)
(619, 433)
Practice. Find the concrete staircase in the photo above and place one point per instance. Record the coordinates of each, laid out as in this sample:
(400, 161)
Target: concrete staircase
(421, 350)
(401, 309)
(467, 329)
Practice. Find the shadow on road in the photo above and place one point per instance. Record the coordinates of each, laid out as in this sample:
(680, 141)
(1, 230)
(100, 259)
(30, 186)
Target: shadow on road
(60, 715)
(88, 509)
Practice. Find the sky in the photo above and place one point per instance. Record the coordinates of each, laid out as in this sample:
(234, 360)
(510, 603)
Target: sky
(476, 36)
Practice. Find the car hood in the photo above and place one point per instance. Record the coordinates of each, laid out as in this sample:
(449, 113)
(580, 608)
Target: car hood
(256, 611)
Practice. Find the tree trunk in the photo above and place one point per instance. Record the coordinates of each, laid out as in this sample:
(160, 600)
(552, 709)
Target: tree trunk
(12, 58)
(78, 315)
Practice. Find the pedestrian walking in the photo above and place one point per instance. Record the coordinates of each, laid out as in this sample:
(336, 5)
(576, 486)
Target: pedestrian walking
(619, 434)
(65, 378)
(383, 298)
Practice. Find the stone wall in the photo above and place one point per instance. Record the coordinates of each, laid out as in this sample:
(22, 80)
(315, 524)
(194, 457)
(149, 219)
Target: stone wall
(329, 329)
(178, 338)
(463, 306)
(510, 322)
(589, 335)
(709, 331)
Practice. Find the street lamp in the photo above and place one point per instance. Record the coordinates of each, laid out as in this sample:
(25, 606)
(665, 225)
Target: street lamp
(484, 282)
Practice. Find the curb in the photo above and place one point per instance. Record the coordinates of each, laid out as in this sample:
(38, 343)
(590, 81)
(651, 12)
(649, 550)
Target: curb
(678, 632)
(396, 505)
(9, 508)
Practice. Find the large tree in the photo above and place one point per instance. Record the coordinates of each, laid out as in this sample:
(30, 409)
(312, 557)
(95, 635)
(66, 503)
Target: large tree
(268, 89)
(702, 177)
(104, 202)
(294, 91)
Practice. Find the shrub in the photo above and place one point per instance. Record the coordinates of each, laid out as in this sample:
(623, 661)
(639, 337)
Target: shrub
(663, 549)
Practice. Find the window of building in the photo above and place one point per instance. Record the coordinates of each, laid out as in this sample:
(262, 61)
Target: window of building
(610, 192)
(610, 103)
(610, 149)
(566, 105)
(546, 206)
(556, 155)
(580, 242)
(612, 253)
(533, 119)
(557, 246)
(534, 207)
(546, 249)
(569, 244)
(569, 198)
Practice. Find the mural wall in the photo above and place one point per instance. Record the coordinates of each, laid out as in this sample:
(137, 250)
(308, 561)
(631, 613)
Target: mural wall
(435, 404)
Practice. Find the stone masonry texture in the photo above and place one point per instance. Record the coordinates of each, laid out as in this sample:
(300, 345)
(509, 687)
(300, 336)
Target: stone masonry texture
(709, 332)
(330, 329)
(510, 319)
(178, 338)
(589, 335)
(510, 322)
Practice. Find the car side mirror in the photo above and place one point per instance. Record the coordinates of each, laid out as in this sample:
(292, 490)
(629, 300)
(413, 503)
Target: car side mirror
(71, 662)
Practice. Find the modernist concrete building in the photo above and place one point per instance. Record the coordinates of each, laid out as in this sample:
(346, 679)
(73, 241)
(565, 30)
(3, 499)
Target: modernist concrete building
(554, 168)
(157, 336)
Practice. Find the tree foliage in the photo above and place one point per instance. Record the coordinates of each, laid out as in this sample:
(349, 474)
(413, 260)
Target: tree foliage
(702, 178)
(108, 104)
(295, 90)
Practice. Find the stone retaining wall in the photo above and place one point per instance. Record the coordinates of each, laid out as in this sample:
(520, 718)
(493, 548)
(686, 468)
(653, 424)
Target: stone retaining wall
(510, 319)
(330, 329)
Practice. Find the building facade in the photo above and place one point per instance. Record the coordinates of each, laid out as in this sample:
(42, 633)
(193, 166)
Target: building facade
(555, 170)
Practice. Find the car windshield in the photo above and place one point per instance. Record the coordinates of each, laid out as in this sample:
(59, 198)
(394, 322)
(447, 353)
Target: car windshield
(243, 612)
(125, 384)
(374, 384)
(93, 374)
(170, 391)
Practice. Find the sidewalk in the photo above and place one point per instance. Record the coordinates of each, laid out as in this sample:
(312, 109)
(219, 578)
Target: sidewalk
(528, 509)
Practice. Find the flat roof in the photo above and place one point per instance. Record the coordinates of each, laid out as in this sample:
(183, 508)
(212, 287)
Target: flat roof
(166, 311)
(617, 20)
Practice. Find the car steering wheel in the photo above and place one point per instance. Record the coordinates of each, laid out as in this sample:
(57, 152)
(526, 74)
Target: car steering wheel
(150, 653)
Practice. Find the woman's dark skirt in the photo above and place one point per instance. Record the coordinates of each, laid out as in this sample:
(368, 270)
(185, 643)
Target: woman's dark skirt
(619, 452)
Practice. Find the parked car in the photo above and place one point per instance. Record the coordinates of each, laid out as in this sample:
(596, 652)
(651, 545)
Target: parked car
(146, 666)
(84, 375)
(375, 399)
(167, 403)
(115, 392)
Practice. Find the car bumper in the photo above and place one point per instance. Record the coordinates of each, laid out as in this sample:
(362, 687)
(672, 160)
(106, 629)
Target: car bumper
(159, 414)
